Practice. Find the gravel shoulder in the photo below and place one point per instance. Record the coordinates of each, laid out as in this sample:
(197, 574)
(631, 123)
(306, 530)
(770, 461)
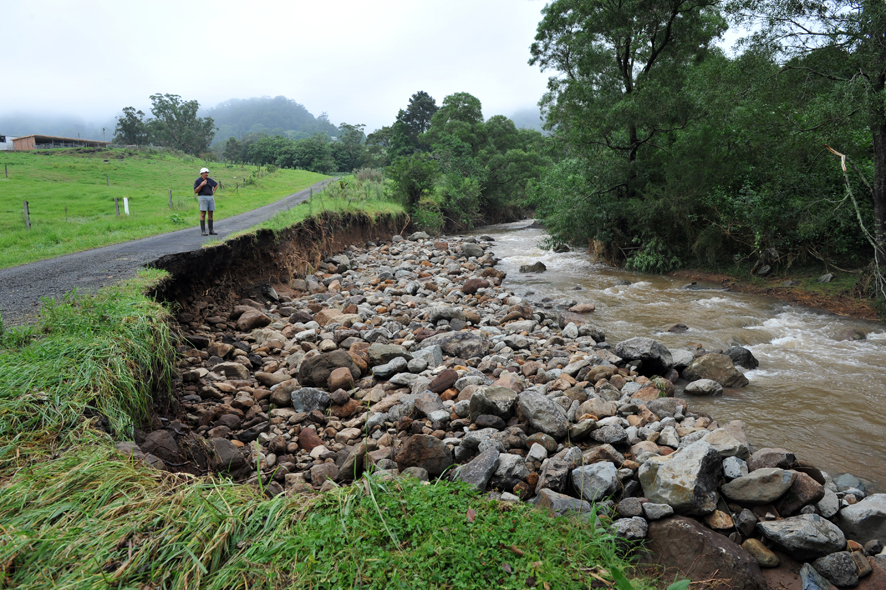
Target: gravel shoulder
(23, 287)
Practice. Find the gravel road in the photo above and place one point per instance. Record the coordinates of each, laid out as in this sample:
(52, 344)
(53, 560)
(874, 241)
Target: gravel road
(22, 287)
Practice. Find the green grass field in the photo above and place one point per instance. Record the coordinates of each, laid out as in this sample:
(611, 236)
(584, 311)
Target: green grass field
(72, 204)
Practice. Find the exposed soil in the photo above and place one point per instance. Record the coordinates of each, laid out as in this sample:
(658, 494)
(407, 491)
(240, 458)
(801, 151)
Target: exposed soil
(840, 304)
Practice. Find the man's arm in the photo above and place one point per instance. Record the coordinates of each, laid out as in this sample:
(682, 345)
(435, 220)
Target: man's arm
(214, 186)
(198, 187)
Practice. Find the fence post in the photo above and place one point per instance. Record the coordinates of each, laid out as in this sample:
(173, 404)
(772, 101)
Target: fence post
(107, 180)
(126, 205)
(27, 215)
(117, 205)
(6, 169)
(170, 198)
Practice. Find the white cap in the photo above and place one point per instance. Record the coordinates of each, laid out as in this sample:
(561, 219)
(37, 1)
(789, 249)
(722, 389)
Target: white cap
(202, 170)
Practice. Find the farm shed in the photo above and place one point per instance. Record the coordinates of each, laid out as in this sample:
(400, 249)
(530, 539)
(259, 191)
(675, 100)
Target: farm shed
(45, 142)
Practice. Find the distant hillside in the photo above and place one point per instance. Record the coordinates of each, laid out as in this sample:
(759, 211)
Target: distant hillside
(273, 116)
(527, 119)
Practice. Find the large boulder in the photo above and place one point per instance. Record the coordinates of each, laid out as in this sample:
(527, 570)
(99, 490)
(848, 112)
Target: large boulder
(742, 356)
(421, 450)
(686, 549)
(865, 520)
(543, 413)
(656, 357)
(315, 371)
(445, 312)
(686, 480)
(804, 537)
(759, 487)
(379, 354)
(716, 367)
(494, 400)
(463, 345)
(309, 399)
(560, 504)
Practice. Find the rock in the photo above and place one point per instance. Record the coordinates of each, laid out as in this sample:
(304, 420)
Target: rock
(764, 556)
(380, 354)
(252, 319)
(554, 475)
(308, 439)
(716, 367)
(853, 334)
(315, 371)
(742, 356)
(582, 308)
(655, 356)
(597, 407)
(686, 549)
(804, 537)
(839, 568)
(863, 521)
(665, 407)
(629, 507)
(759, 487)
(546, 441)
(421, 450)
(734, 467)
(560, 504)
(471, 286)
(309, 399)
(428, 402)
(479, 470)
(686, 480)
(232, 370)
(388, 370)
(726, 444)
(463, 345)
(324, 471)
(543, 413)
(472, 250)
(654, 511)
(443, 381)
(602, 452)
(611, 434)
(597, 481)
(707, 387)
(829, 504)
(340, 378)
(161, 443)
(495, 400)
(719, 521)
(804, 491)
(826, 278)
(632, 529)
(511, 471)
(227, 457)
(531, 268)
(772, 457)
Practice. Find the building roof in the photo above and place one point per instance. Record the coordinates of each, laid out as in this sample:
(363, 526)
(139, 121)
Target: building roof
(52, 138)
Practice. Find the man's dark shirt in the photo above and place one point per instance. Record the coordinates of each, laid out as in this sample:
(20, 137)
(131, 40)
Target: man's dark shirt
(207, 188)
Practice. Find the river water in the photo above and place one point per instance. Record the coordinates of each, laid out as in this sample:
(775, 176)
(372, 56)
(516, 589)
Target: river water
(813, 394)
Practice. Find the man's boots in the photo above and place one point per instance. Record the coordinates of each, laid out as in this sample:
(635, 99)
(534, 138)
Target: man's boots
(203, 228)
(211, 233)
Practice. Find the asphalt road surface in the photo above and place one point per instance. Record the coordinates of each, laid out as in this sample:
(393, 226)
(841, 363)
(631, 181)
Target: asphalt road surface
(22, 287)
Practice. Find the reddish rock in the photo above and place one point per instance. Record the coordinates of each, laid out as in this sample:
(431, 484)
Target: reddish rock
(308, 439)
(325, 315)
(443, 381)
(340, 378)
(647, 394)
(582, 308)
(803, 491)
(425, 451)
(472, 285)
(686, 549)
(345, 410)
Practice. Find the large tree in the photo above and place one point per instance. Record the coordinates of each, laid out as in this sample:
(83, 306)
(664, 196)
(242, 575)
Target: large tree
(132, 128)
(842, 41)
(619, 68)
(177, 125)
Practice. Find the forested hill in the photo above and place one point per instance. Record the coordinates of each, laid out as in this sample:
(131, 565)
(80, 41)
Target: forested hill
(272, 116)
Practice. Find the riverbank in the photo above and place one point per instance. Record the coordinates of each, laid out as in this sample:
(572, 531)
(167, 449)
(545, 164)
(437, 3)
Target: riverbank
(802, 288)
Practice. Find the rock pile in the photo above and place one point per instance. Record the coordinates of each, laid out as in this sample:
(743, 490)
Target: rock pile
(410, 358)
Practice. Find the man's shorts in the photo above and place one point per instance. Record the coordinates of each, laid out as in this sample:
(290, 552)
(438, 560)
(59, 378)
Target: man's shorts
(207, 203)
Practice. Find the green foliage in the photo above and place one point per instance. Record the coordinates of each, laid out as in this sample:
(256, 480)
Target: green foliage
(413, 178)
(131, 128)
(176, 124)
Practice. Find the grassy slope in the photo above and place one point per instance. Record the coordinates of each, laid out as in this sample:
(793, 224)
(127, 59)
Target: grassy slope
(72, 208)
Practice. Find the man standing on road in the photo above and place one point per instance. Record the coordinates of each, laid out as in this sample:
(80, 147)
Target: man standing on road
(204, 188)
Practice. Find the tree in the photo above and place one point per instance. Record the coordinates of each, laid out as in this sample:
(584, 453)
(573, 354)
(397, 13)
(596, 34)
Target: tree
(233, 150)
(620, 71)
(348, 150)
(461, 118)
(131, 128)
(842, 41)
(418, 115)
(413, 178)
(177, 125)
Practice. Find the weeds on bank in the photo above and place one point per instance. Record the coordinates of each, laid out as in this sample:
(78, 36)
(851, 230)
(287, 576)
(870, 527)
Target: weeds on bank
(363, 193)
(93, 358)
(91, 519)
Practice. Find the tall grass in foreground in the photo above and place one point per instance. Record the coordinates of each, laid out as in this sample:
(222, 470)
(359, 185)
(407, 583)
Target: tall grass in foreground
(91, 519)
(99, 357)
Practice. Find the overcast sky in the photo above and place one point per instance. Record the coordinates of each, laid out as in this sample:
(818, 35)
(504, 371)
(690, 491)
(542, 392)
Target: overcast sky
(358, 60)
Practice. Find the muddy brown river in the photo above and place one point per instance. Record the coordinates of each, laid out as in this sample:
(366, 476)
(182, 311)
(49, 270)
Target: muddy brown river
(814, 394)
